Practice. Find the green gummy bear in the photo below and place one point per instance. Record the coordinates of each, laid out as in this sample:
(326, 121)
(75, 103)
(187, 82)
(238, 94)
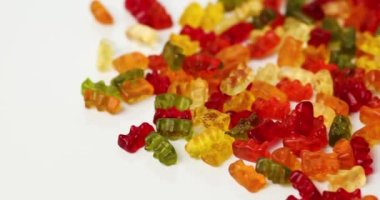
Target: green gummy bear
(231, 4)
(174, 129)
(275, 172)
(173, 55)
(265, 17)
(99, 87)
(340, 128)
(241, 129)
(163, 150)
(129, 75)
(168, 100)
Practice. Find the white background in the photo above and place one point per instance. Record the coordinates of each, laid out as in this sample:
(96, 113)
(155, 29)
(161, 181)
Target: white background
(51, 147)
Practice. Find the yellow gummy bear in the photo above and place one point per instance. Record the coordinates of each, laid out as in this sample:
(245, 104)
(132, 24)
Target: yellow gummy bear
(297, 29)
(248, 9)
(369, 44)
(143, 34)
(204, 118)
(227, 22)
(256, 33)
(327, 113)
(268, 74)
(219, 152)
(196, 90)
(349, 180)
(292, 73)
(192, 15)
(237, 81)
(367, 63)
(323, 82)
(203, 142)
(240, 102)
(105, 56)
(188, 46)
(213, 15)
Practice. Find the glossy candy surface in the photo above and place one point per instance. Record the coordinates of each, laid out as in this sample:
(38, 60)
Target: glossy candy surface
(250, 150)
(100, 13)
(246, 176)
(162, 149)
(275, 172)
(350, 180)
(340, 128)
(135, 139)
(174, 129)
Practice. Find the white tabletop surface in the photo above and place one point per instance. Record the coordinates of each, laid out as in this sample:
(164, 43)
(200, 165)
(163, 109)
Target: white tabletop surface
(51, 147)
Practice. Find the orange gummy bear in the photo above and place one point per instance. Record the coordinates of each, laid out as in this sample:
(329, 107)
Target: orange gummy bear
(134, 60)
(344, 153)
(100, 13)
(319, 164)
(290, 53)
(247, 176)
(286, 157)
(233, 56)
(261, 89)
(338, 105)
(101, 101)
(135, 91)
(369, 115)
(370, 132)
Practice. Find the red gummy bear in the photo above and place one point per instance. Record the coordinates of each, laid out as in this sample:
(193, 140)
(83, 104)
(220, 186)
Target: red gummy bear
(199, 34)
(159, 82)
(350, 87)
(319, 36)
(315, 65)
(271, 108)
(238, 33)
(267, 131)
(217, 100)
(313, 10)
(150, 13)
(362, 155)
(273, 4)
(136, 137)
(342, 194)
(304, 185)
(295, 90)
(213, 47)
(171, 113)
(250, 150)
(201, 64)
(157, 62)
(264, 45)
(236, 116)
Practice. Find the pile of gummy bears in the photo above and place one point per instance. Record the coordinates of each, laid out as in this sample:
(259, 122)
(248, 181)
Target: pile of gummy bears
(328, 62)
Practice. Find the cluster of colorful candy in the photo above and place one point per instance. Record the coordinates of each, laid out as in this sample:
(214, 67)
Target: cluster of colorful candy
(208, 95)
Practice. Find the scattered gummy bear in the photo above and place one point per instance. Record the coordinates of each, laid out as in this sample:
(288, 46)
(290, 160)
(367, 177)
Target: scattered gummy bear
(208, 94)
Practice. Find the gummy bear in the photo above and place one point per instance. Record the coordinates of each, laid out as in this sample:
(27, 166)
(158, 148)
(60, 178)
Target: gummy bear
(286, 157)
(241, 129)
(250, 150)
(266, 16)
(237, 81)
(101, 96)
(313, 10)
(237, 33)
(266, 91)
(275, 172)
(205, 39)
(341, 194)
(165, 101)
(361, 152)
(217, 100)
(369, 197)
(295, 90)
(233, 56)
(192, 15)
(231, 4)
(201, 144)
(100, 13)
(340, 128)
(294, 73)
(318, 165)
(163, 150)
(159, 82)
(247, 176)
(173, 56)
(264, 45)
(171, 113)
(344, 153)
(370, 132)
(350, 180)
(218, 153)
(271, 109)
(290, 53)
(266, 131)
(327, 113)
(205, 118)
(320, 52)
(268, 74)
(184, 42)
(149, 12)
(157, 62)
(338, 105)
(196, 90)
(297, 29)
(201, 64)
(236, 116)
(240, 102)
(174, 129)
(143, 34)
(323, 82)
(298, 9)
(213, 15)
(105, 54)
(304, 185)
(135, 138)
(316, 64)
(134, 60)
(319, 36)
(369, 115)
(248, 9)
